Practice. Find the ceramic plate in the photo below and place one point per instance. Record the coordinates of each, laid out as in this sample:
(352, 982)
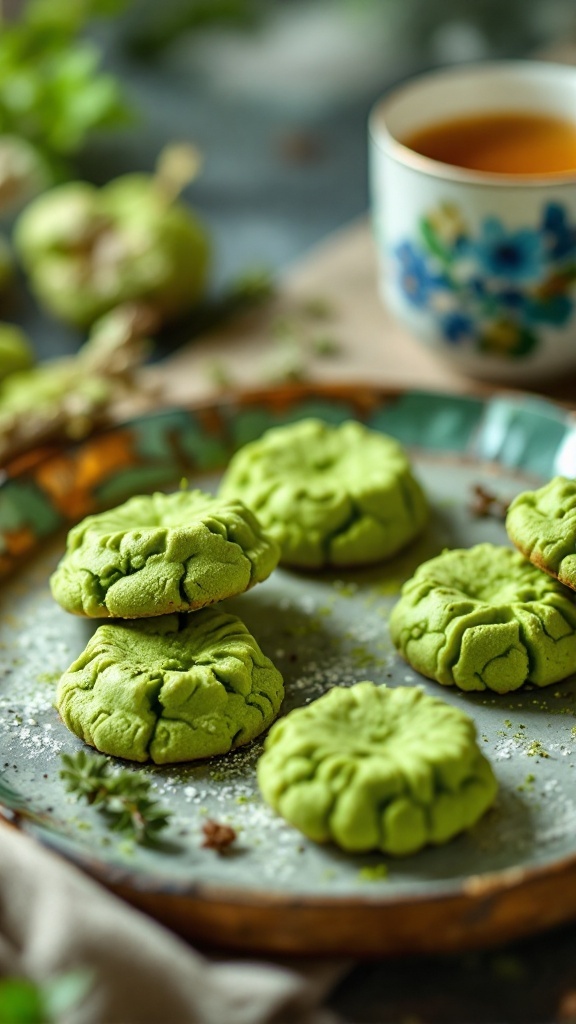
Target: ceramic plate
(275, 890)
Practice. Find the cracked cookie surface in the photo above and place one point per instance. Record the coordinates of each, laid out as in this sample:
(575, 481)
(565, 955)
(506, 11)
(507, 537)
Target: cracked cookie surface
(329, 495)
(485, 618)
(162, 553)
(175, 688)
(368, 767)
(542, 525)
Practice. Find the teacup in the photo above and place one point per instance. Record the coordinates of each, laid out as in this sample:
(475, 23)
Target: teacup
(480, 265)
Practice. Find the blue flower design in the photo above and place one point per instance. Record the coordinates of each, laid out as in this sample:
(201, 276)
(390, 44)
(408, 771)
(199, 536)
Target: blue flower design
(559, 235)
(493, 291)
(416, 280)
(517, 256)
(457, 327)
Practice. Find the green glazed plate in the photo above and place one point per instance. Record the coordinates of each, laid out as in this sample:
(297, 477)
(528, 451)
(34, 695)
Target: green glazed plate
(514, 873)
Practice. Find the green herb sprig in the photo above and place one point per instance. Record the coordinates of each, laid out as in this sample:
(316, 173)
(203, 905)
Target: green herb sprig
(52, 91)
(123, 797)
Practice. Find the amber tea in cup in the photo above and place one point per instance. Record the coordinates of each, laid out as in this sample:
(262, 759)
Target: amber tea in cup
(473, 178)
(501, 143)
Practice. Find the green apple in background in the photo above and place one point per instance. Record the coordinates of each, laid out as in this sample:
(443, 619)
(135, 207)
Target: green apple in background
(88, 249)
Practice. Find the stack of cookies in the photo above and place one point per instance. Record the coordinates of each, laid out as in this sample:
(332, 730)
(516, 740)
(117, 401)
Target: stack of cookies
(174, 680)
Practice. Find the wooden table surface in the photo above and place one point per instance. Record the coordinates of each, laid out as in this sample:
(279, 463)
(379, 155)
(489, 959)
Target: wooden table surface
(372, 346)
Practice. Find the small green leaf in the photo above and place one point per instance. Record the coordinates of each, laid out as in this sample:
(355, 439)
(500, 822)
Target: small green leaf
(218, 374)
(318, 308)
(21, 1002)
(325, 346)
(433, 242)
(254, 285)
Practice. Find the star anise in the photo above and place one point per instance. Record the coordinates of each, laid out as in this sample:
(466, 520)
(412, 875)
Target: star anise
(483, 503)
(216, 836)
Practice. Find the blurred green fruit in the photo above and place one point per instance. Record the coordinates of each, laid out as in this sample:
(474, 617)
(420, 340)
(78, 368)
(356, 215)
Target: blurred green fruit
(87, 249)
(16, 352)
(23, 174)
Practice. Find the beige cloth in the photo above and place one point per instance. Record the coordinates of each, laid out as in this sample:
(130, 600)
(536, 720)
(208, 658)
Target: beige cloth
(53, 919)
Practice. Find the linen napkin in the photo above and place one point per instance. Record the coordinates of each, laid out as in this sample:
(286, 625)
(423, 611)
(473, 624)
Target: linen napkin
(54, 919)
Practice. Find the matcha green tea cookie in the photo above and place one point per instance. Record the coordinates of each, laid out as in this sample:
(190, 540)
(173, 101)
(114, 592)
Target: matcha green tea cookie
(174, 688)
(373, 768)
(162, 553)
(542, 524)
(329, 495)
(485, 618)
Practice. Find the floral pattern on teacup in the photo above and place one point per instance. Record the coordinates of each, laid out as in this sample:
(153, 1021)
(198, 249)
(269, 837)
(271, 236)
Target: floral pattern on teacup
(493, 290)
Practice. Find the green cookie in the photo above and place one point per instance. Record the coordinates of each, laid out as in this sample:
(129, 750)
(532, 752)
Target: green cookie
(374, 768)
(330, 496)
(174, 688)
(542, 524)
(162, 553)
(484, 618)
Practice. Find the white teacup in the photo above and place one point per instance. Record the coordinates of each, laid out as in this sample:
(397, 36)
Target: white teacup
(480, 266)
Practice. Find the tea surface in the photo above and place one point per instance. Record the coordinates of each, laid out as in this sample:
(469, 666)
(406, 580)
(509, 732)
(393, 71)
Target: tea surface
(510, 143)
